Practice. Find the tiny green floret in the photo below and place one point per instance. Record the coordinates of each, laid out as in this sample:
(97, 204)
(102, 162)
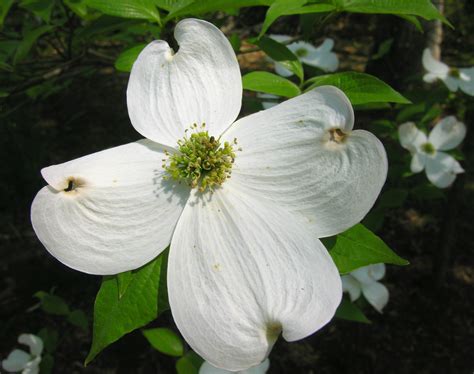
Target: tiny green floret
(428, 148)
(201, 161)
(454, 72)
(301, 52)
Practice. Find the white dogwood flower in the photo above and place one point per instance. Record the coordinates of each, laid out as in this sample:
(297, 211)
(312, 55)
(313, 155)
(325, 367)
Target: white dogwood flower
(441, 168)
(207, 368)
(365, 281)
(245, 262)
(453, 78)
(320, 57)
(19, 361)
(268, 101)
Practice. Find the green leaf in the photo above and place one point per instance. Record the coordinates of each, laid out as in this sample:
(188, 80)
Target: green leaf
(359, 247)
(421, 8)
(79, 7)
(50, 338)
(262, 81)
(290, 7)
(235, 42)
(351, 312)
(28, 41)
(189, 363)
(126, 59)
(52, 304)
(384, 48)
(194, 7)
(47, 364)
(40, 8)
(78, 318)
(141, 302)
(165, 340)
(413, 20)
(5, 6)
(141, 9)
(360, 88)
(280, 52)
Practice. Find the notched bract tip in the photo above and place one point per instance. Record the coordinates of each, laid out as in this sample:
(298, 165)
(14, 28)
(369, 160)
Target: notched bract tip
(72, 185)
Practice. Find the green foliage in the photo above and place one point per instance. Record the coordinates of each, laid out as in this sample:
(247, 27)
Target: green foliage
(189, 363)
(126, 59)
(288, 7)
(359, 247)
(351, 312)
(5, 6)
(262, 81)
(28, 41)
(140, 9)
(195, 7)
(78, 318)
(41, 8)
(50, 338)
(47, 364)
(127, 302)
(421, 8)
(52, 304)
(360, 88)
(279, 52)
(165, 340)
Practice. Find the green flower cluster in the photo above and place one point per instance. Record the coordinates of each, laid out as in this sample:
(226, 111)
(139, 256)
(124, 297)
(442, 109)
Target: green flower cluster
(201, 161)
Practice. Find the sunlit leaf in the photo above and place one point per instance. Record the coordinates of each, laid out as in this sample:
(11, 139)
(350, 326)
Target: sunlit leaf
(126, 59)
(289, 7)
(359, 247)
(262, 81)
(360, 88)
(141, 9)
(141, 302)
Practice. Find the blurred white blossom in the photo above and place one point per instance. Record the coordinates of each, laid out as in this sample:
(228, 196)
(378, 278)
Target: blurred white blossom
(320, 57)
(19, 361)
(365, 281)
(271, 100)
(207, 368)
(441, 168)
(453, 78)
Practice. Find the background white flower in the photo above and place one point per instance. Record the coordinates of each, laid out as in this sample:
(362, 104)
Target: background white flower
(365, 281)
(453, 78)
(245, 262)
(21, 361)
(441, 168)
(320, 57)
(267, 104)
(207, 368)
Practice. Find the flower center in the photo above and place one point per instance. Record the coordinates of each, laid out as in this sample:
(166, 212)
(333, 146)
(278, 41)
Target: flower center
(454, 72)
(428, 148)
(201, 161)
(301, 52)
(337, 135)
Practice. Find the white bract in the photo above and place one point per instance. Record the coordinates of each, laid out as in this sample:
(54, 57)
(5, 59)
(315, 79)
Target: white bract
(207, 368)
(365, 281)
(19, 361)
(320, 57)
(441, 168)
(453, 78)
(245, 262)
